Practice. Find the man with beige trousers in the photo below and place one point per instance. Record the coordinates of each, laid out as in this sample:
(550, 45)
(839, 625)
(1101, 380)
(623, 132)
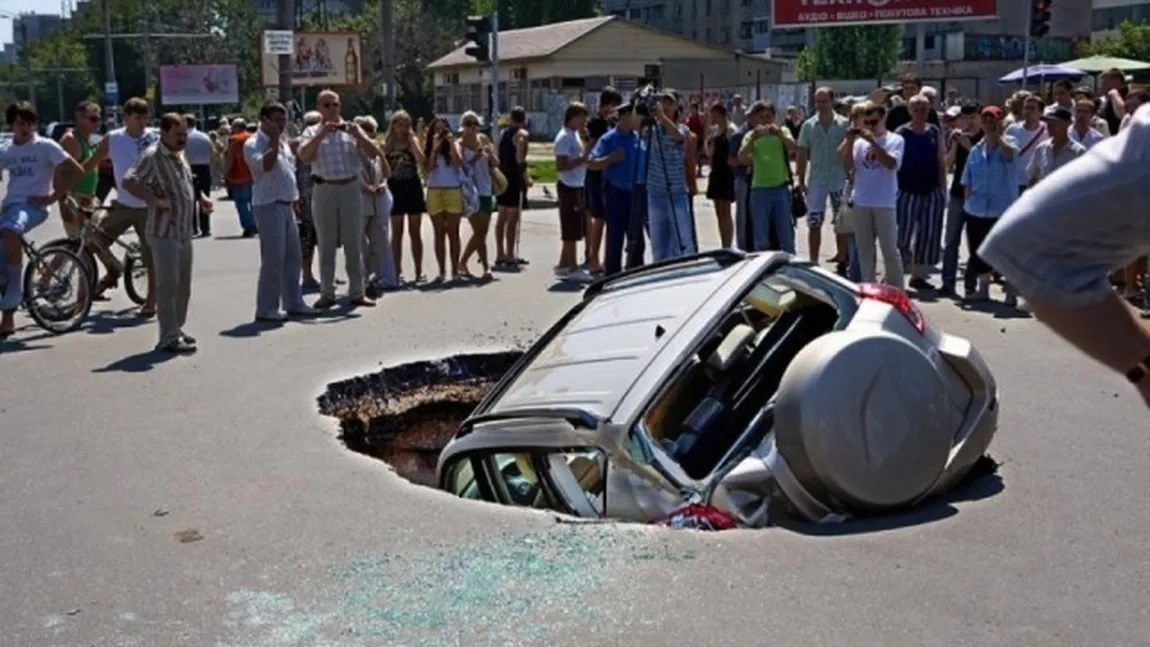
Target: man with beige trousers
(333, 148)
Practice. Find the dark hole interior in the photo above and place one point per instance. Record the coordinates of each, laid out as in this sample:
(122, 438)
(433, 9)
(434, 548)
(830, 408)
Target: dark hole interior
(404, 415)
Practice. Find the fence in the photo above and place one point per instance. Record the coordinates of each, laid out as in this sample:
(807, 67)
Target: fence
(546, 122)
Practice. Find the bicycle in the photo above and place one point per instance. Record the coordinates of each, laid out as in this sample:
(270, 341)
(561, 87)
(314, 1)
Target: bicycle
(135, 270)
(47, 282)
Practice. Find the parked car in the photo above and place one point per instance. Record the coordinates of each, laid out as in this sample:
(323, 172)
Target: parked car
(760, 386)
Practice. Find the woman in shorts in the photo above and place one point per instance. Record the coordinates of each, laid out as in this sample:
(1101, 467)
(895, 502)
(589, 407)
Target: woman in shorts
(444, 193)
(405, 156)
(478, 158)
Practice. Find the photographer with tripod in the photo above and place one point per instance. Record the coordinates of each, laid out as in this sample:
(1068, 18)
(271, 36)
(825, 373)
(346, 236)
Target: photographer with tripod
(668, 199)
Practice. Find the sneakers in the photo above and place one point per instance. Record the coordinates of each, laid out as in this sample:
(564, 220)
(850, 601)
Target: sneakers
(179, 346)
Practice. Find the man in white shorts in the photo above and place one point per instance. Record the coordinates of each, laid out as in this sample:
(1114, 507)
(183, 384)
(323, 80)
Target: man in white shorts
(1059, 242)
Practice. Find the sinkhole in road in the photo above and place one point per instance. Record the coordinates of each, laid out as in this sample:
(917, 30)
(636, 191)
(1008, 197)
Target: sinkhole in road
(405, 414)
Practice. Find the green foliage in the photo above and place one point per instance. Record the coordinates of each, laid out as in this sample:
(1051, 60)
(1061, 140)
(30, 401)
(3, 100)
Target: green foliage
(425, 31)
(851, 53)
(59, 51)
(1132, 41)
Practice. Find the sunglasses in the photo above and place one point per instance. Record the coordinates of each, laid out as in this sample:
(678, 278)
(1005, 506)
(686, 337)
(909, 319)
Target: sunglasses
(470, 124)
(329, 104)
(871, 122)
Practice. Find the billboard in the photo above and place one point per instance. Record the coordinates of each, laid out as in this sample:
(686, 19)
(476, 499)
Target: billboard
(319, 59)
(837, 13)
(198, 85)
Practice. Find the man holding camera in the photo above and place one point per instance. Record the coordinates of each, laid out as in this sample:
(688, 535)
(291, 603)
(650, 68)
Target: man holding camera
(767, 148)
(614, 155)
(875, 155)
(333, 147)
(668, 198)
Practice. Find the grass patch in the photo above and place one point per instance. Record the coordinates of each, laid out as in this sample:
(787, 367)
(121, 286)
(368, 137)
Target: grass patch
(543, 171)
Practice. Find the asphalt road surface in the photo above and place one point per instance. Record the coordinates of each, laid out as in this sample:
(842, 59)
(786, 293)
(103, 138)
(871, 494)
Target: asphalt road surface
(203, 501)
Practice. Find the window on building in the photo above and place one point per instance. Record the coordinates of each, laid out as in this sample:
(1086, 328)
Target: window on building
(678, 9)
(708, 10)
(746, 29)
(725, 36)
(707, 36)
(694, 9)
(634, 14)
(762, 26)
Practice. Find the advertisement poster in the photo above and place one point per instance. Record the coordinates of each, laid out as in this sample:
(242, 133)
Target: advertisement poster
(831, 13)
(198, 85)
(320, 59)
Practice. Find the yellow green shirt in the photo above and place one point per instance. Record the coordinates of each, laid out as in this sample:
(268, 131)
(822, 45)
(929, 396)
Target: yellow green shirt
(769, 160)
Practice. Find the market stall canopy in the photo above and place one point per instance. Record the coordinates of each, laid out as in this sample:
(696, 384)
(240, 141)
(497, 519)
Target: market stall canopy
(1095, 64)
(1047, 73)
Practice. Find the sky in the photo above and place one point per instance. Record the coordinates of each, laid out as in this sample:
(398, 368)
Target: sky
(23, 6)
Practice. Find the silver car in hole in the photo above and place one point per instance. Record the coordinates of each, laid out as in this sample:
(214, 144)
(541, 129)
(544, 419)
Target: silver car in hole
(757, 385)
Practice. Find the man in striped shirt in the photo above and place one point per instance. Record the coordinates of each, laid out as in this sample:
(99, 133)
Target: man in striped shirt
(162, 178)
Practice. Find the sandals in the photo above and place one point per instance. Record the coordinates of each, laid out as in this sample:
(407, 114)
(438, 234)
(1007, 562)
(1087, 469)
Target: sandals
(111, 281)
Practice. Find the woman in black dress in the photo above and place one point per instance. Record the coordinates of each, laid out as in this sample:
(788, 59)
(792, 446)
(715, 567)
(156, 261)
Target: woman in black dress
(408, 205)
(721, 182)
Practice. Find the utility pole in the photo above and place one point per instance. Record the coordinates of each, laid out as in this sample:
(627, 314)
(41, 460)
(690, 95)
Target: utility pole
(60, 89)
(494, 122)
(1026, 43)
(387, 52)
(286, 22)
(109, 51)
(27, 62)
(146, 51)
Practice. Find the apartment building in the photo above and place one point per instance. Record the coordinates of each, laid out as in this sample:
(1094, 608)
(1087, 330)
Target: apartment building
(29, 28)
(746, 25)
(269, 9)
(1108, 14)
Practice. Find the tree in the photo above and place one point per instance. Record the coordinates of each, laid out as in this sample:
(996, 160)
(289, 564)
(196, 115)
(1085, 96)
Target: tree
(851, 53)
(234, 25)
(1132, 41)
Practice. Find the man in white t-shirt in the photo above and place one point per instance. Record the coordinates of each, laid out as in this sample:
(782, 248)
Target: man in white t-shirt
(123, 146)
(40, 172)
(875, 155)
(1028, 133)
(572, 150)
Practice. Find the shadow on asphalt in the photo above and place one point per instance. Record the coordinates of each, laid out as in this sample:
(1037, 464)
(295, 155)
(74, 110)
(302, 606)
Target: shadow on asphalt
(106, 322)
(983, 482)
(996, 309)
(567, 287)
(138, 363)
(234, 237)
(14, 345)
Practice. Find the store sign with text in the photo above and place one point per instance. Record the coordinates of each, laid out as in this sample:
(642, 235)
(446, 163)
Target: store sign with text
(836, 13)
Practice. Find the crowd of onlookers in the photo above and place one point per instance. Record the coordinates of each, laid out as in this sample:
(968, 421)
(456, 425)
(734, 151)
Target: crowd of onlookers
(878, 169)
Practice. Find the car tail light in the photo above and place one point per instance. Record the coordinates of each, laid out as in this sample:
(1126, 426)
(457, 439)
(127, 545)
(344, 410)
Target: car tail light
(896, 299)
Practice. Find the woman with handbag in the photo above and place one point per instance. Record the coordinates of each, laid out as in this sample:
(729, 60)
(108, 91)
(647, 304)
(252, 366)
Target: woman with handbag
(378, 261)
(483, 167)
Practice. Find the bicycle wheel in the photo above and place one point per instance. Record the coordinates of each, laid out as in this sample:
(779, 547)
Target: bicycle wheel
(86, 255)
(135, 276)
(57, 290)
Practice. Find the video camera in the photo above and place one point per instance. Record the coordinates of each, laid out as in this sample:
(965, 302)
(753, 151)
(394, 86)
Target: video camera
(643, 102)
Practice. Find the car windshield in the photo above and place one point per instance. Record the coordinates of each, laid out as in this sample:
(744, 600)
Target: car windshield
(568, 481)
(709, 402)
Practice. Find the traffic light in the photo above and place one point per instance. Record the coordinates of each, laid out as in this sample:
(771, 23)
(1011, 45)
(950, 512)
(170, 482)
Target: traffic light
(1040, 18)
(479, 35)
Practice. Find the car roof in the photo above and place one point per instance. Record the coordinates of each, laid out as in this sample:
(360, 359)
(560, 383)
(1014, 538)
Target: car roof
(592, 363)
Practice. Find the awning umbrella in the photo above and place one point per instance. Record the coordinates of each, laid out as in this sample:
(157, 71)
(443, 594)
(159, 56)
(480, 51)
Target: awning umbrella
(1043, 73)
(1095, 64)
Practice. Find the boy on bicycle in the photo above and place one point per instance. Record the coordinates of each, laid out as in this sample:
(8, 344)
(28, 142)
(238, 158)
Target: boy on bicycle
(39, 174)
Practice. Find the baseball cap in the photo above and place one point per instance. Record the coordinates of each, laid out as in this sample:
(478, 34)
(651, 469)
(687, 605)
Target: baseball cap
(1082, 89)
(953, 111)
(1057, 113)
(993, 111)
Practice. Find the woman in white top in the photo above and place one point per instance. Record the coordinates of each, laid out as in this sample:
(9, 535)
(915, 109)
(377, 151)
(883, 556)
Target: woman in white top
(478, 160)
(378, 262)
